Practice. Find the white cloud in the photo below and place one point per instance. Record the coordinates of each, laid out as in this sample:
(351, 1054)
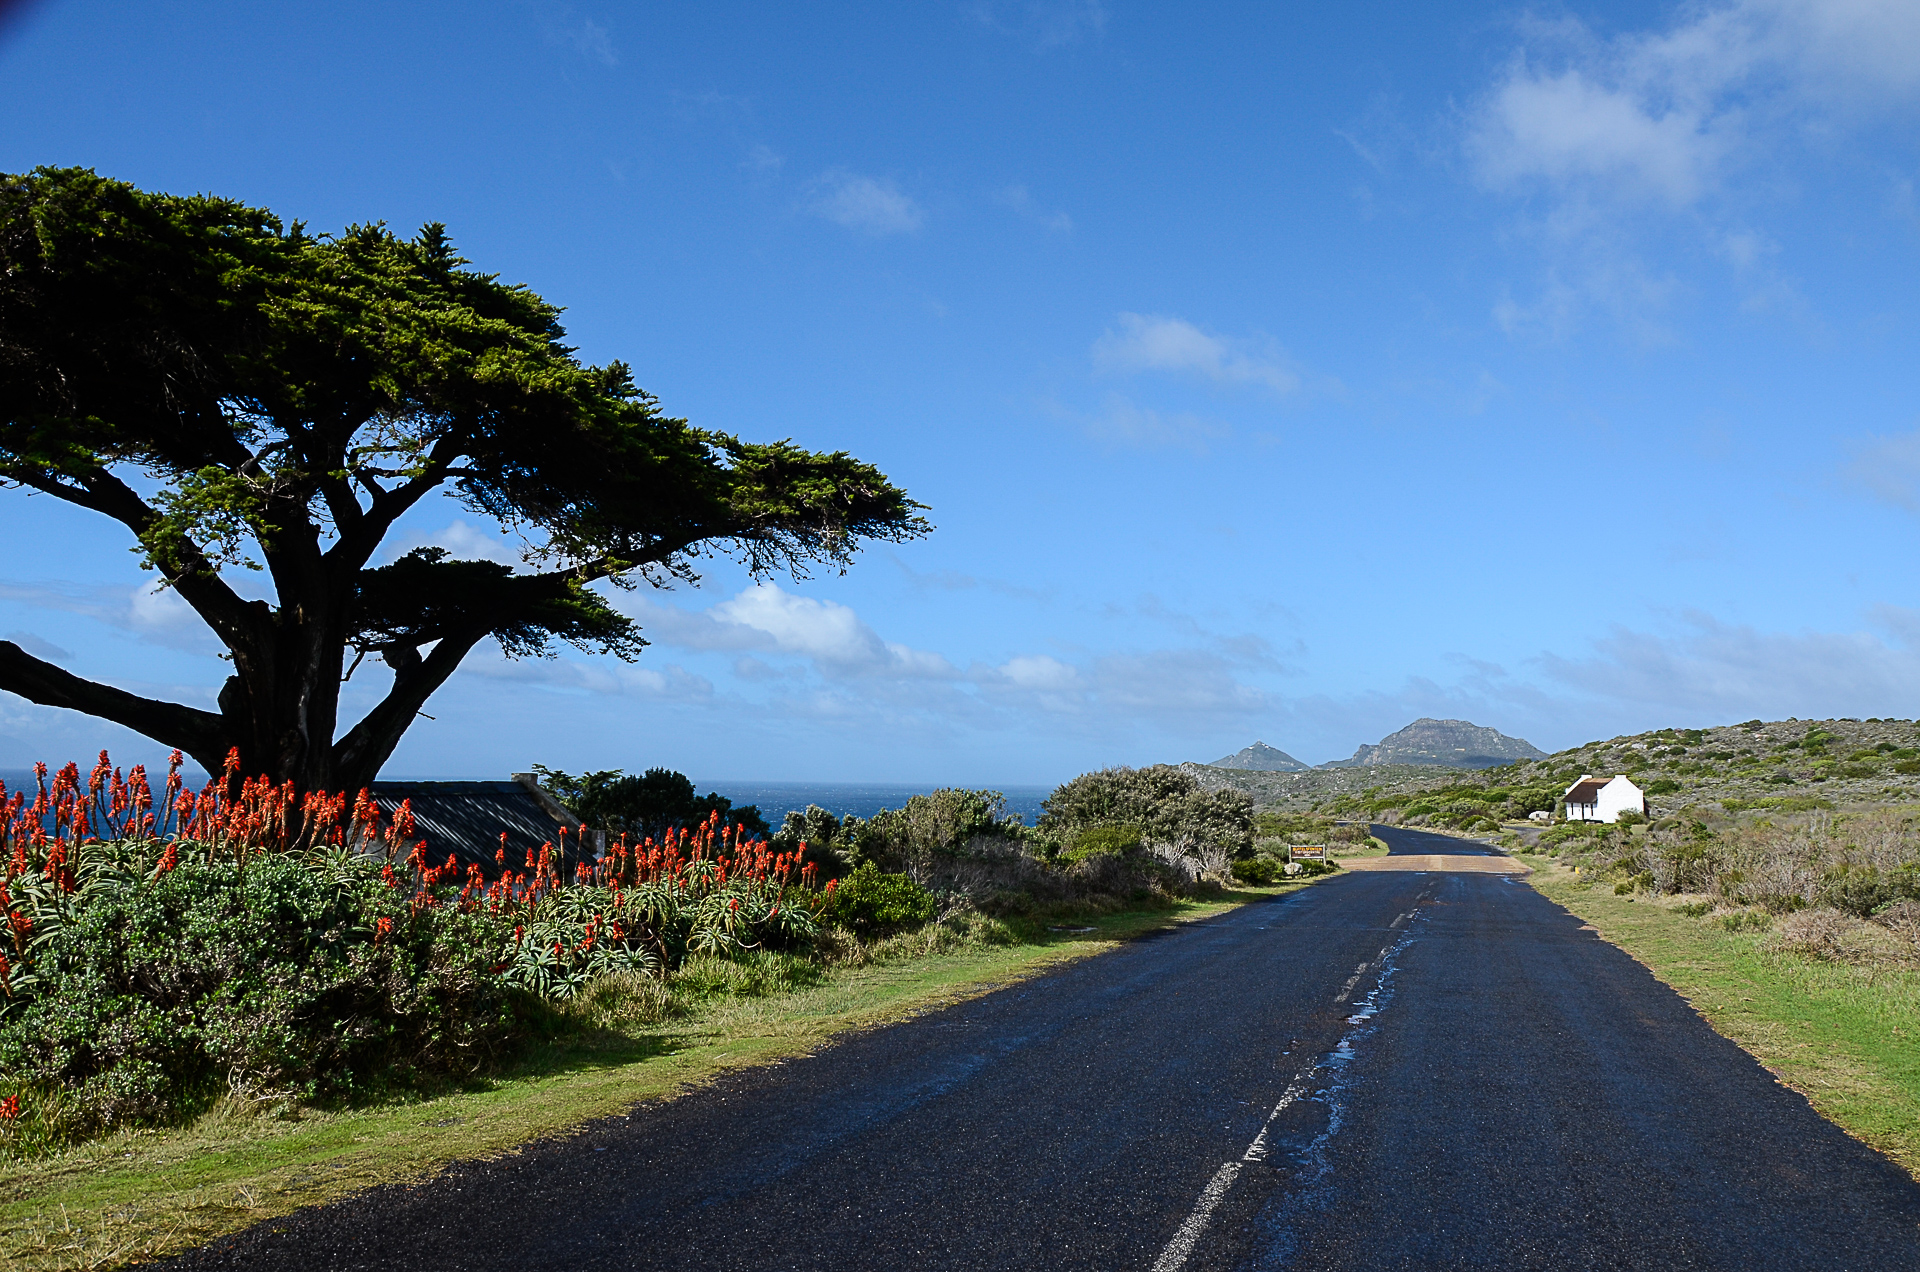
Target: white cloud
(564, 27)
(1045, 24)
(761, 161)
(1037, 671)
(1846, 50)
(155, 614)
(1147, 342)
(602, 677)
(859, 675)
(1687, 123)
(766, 618)
(1888, 468)
(1569, 128)
(1121, 423)
(1718, 671)
(43, 649)
(463, 542)
(1016, 198)
(1664, 115)
(870, 204)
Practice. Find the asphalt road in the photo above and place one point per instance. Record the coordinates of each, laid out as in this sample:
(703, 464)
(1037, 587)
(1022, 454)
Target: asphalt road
(1391, 1069)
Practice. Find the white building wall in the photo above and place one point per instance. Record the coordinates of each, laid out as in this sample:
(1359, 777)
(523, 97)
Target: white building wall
(1616, 797)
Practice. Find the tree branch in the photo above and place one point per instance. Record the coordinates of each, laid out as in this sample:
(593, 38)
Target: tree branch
(357, 757)
(354, 549)
(193, 577)
(201, 734)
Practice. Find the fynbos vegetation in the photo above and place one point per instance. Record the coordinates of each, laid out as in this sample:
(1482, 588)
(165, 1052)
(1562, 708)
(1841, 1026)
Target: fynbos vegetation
(250, 945)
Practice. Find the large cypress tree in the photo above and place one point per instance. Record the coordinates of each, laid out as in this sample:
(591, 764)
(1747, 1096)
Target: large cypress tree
(238, 392)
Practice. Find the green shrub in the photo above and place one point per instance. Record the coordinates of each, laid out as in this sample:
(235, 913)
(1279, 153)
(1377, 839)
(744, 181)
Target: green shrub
(1259, 871)
(1745, 920)
(1169, 806)
(1907, 766)
(927, 828)
(151, 996)
(1860, 890)
(1663, 786)
(871, 904)
(1096, 841)
(1778, 803)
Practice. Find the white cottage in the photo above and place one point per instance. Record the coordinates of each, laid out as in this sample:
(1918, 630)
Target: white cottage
(1591, 799)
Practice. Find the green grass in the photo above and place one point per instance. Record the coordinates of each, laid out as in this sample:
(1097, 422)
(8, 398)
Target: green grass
(1847, 1037)
(143, 1195)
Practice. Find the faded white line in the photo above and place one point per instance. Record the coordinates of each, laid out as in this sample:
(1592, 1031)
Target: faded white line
(1174, 1257)
(1353, 980)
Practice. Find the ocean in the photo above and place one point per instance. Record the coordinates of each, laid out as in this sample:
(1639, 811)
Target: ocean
(862, 799)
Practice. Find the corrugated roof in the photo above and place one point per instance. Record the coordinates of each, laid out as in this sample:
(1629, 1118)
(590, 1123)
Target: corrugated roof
(468, 818)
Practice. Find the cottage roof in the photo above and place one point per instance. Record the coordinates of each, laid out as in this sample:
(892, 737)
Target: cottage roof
(468, 818)
(1585, 791)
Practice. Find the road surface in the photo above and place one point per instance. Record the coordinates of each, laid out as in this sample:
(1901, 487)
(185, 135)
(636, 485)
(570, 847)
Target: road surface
(1423, 1066)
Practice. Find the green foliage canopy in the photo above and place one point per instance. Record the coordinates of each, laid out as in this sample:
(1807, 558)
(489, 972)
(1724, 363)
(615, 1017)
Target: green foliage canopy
(646, 805)
(240, 393)
(1166, 805)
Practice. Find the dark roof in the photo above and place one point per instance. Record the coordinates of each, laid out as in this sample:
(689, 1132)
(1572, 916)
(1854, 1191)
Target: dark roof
(467, 819)
(1586, 791)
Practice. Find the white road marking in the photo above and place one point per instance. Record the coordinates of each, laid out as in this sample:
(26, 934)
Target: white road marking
(1174, 1257)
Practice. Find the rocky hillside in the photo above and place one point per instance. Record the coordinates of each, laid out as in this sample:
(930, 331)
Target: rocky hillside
(1261, 758)
(1312, 789)
(1454, 743)
(1758, 767)
(1782, 764)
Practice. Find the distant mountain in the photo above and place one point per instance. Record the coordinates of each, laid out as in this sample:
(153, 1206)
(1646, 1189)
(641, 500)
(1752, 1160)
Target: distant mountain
(1261, 758)
(1455, 743)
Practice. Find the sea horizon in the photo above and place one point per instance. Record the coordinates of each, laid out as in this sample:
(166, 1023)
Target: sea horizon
(774, 799)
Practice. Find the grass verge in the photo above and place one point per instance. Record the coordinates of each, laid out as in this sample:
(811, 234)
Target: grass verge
(145, 1195)
(1846, 1037)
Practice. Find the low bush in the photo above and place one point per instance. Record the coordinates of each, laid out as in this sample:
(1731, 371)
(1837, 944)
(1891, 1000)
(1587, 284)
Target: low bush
(165, 952)
(1829, 934)
(277, 949)
(1110, 840)
(1311, 869)
(1176, 816)
(870, 903)
(1259, 871)
(148, 993)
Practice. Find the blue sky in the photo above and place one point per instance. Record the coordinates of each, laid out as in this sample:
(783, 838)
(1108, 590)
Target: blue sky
(1271, 371)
